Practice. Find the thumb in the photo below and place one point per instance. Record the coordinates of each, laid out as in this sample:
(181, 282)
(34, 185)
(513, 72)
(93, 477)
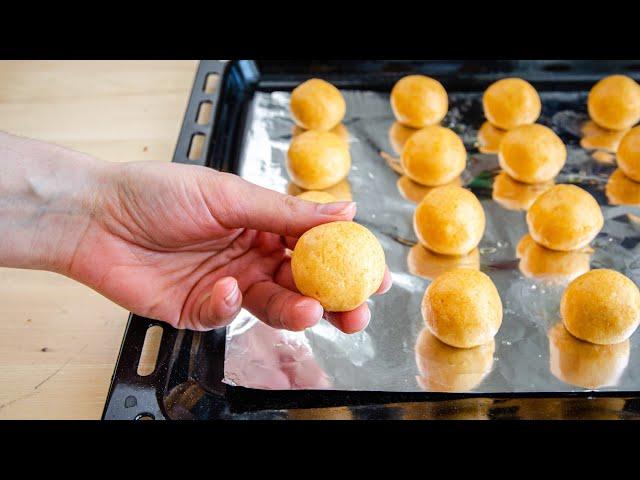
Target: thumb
(223, 305)
(241, 204)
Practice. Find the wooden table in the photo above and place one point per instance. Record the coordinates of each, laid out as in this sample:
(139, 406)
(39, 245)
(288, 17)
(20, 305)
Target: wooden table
(59, 340)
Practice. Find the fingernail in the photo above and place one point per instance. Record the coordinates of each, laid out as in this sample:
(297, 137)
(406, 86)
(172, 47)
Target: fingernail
(232, 297)
(337, 208)
(368, 318)
(309, 304)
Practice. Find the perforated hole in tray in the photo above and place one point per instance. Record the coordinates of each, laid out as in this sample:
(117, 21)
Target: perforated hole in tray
(204, 113)
(150, 349)
(211, 83)
(196, 147)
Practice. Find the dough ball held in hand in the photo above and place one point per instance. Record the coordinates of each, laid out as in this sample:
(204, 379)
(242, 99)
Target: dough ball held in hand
(340, 264)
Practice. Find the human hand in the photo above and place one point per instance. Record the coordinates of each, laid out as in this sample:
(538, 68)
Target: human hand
(178, 243)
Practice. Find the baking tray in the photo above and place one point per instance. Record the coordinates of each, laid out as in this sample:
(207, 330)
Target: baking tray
(186, 383)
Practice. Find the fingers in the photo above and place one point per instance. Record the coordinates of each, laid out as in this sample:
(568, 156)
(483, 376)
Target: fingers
(222, 306)
(350, 322)
(241, 204)
(385, 286)
(282, 308)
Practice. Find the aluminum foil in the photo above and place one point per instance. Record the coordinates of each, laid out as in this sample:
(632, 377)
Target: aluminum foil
(532, 353)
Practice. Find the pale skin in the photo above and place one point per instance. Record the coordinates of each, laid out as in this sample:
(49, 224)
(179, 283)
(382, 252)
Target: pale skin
(183, 244)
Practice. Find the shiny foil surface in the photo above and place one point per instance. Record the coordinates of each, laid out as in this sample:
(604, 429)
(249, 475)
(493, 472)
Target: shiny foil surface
(532, 353)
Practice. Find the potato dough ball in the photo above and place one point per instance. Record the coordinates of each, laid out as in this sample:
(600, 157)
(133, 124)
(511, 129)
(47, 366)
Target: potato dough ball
(602, 306)
(553, 266)
(514, 195)
(532, 153)
(629, 154)
(614, 102)
(318, 160)
(448, 369)
(584, 364)
(434, 156)
(418, 101)
(427, 264)
(462, 308)
(317, 105)
(340, 264)
(317, 196)
(449, 220)
(565, 217)
(511, 102)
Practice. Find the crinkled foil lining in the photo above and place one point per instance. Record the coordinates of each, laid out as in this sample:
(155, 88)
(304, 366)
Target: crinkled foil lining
(391, 354)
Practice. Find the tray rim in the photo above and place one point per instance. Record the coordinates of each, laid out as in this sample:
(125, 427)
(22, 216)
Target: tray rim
(222, 151)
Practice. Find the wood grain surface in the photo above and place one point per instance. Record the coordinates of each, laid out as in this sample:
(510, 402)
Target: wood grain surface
(58, 339)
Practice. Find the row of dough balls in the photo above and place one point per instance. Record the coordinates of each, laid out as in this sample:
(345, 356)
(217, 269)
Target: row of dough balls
(340, 264)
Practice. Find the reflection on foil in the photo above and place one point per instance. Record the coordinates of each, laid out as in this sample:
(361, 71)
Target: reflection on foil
(382, 358)
(584, 364)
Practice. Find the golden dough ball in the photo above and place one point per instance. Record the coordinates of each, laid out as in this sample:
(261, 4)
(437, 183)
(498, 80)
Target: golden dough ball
(414, 192)
(629, 154)
(614, 102)
(532, 153)
(317, 105)
(340, 264)
(489, 138)
(448, 369)
(514, 195)
(317, 160)
(565, 217)
(316, 196)
(553, 266)
(462, 308)
(341, 191)
(584, 364)
(340, 130)
(602, 306)
(398, 136)
(434, 156)
(510, 103)
(418, 101)
(621, 190)
(427, 264)
(449, 221)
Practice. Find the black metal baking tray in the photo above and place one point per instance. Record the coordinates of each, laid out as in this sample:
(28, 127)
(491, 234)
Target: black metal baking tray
(186, 383)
